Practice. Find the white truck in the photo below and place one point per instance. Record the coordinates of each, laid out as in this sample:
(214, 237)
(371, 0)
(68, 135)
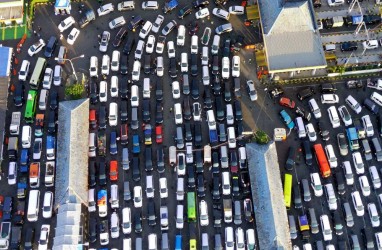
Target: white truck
(15, 123)
(49, 173)
(374, 84)
(5, 233)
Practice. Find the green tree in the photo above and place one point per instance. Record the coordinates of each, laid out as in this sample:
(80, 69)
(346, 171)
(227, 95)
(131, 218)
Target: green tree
(74, 91)
(261, 137)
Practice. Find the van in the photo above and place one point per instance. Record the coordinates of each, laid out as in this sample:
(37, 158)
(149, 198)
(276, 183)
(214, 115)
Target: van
(180, 189)
(126, 191)
(145, 30)
(186, 84)
(134, 118)
(325, 227)
(92, 145)
(24, 70)
(306, 190)
(346, 166)
(194, 44)
(237, 216)
(92, 204)
(150, 5)
(348, 214)
(26, 137)
(292, 227)
(330, 196)
(179, 137)
(369, 104)
(333, 116)
(218, 242)
(329, 98)
(62, 55)
(160, 68)
(354, 242)
(183, 62)
(330, 47)
(226, 183)
(139, 48)
(127, 244)
(300, 128)
(377, 148)
(152, 238)
(307, 152)
(332, 159)
(181, 35)
(229, 239)
(114, 200)
(357, 202)
(43, 99)
(126, 5)
(231, 137)
(178, 242)
(375, 177)
(57, 76)
(353, 104)
(178, 113)
(33, 205)
(215, 45)
(205, 241)
(136, 71)
(314, 108)
(125, 159)
(377, 98)
(313, 221)
(149, 186)
(205, 60)
(179, 217)
(366, 149)
(206, 75)
(146, 88)
(378, 239)
(113, 114)
(165, 243)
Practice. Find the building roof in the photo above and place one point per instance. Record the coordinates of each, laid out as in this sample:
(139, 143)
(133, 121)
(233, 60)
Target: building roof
(291, 37)
(268, 199)
(62, 3)
(72, 152)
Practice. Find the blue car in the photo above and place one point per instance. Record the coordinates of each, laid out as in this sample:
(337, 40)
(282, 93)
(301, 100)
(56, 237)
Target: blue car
(136, 147)
(287, 119)
(113, 143)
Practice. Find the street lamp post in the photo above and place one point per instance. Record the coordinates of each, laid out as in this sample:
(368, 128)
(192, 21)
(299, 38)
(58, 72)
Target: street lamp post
(71, 63)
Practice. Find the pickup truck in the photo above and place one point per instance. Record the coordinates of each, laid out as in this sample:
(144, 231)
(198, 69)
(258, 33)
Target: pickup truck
(14, 128)
(104, 232)
(49, 173)
(22, 187)
(5, 233)
(39, 125)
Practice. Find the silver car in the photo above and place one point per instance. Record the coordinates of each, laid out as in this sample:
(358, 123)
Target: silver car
(251, 90)
(342, 144)
(104, 41)
(223, 28)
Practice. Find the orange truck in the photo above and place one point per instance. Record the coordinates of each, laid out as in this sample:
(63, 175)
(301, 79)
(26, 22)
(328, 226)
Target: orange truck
(34, 175)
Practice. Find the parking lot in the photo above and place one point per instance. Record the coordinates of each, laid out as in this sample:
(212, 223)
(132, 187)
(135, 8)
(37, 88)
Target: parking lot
(87, 44)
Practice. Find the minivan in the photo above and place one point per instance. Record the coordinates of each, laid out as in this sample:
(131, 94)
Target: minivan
(348, 214)
(314, 108)
(179, 217)
(181, 35)
(215, 45)
(313, 221)
(292, 227)
(43, 99)
(229, 238)
(377, 148)
(62, 55)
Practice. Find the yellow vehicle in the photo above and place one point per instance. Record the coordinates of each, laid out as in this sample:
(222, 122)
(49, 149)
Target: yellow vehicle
(192, 244)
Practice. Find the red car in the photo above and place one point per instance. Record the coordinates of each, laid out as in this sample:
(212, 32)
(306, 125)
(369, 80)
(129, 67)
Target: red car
(158, 133)
(287, 102)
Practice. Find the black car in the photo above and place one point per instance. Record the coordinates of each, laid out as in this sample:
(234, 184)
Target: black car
(160, 160)
(159, 90)
(123, 111)
(197, 134)
(367, 236)
(29, 239)
(238, 111)
(92, 230)
(222, 132)
(237, 43)
(102, 172)
(191, 175)
(227, 92)
(307, 152)
(349, 46)
(207, 99)
(18, 95)
(136, 170)
(188, 131)
(239, 132)
(200, 3)
(147, 64)
(194, 64)
(199, 162)
(193, 27)
(138, 222)
(215, 163)
(129, 45)
(151, 213)
(323, 131)
(327, 88)
(201, 190)
(291, 159)
(50, 46)
(102, 117)
(172, 71)
(124, 65)
(93, 92)
(53, 100)
(92, 174)
(337, 222)
(220, 108)
(235, 186)
(135, 22)
(215, 65)
(148, 159)
(186, 10)
(216, 85)
(187, 114)
(122, 33)
(227, 48)
(248, 210)
(194, 89)
(159, 113)
(52, 122)
(303, 114)
(216, 187)
(340, 182)
(146, 111)
(245, 181)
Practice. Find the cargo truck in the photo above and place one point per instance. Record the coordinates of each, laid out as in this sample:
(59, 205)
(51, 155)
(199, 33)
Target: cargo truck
(102, 203)
(14, 128)
(304, 227)
(49, 173)
(352, 138)
(227, 205)
(34, 175)
(12, 148)
(334, 22)
(5, 233)
(22, 187)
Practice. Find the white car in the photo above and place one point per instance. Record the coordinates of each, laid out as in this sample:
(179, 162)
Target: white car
(105, 9)
(332, 159)
(139, 50)
(225, 67)
(57, 76)
(203, 213)
(36, 47)
(373, 214)
(316, 184)
(311, 132)
(175, 90)
(117, 22)
(126, 5)
(163, 191)
(104, 41)
(12, 173)
(178, 115)
(47, 80)
(150, 44)
(224, 28)
(357, 202)
(326, 228)
(134, 98)
(196, 108)
(114, 86)
(370, 44)
(103, 91)
(115, 60)
(47, 205)
(105, 68)
(236, 10)
(145, 29)
(358, 163)
(251, 90)
(236, 66)
(223, 14)
(114, 225)
(160, 44)
(364, 184)
(158, 22)
(189, 153)
(44, 237)
(126, 220)
(345, 115)
(137, 196)
(66, 24)
(202, 13)
(93, 66)
(72, 37)
(181, 164)
(170, 49)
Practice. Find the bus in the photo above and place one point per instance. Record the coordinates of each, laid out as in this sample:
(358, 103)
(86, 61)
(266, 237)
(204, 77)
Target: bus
(30, 108)
(191, 207)
(38, 72)
(322, 161)
(287, 190)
